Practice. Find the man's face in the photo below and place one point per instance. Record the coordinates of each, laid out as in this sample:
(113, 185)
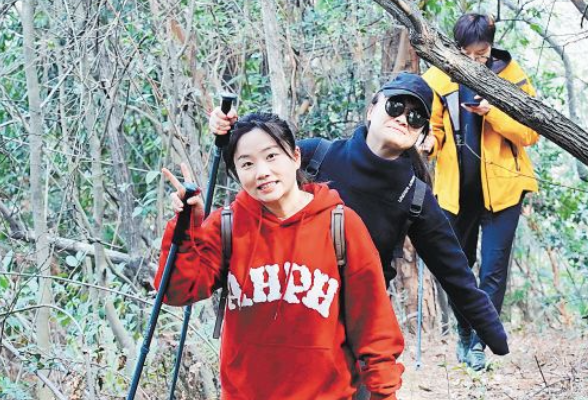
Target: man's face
(478, 51)
(391, 135)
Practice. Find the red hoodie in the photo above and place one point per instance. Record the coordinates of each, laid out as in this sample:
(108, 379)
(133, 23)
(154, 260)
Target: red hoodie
(289, 332)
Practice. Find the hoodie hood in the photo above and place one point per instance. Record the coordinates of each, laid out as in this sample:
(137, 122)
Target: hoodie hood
(324, 198)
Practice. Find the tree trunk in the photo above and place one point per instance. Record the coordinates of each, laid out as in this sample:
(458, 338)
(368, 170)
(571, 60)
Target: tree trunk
(274, 50)
(109, 75)
(440, 51)
(100, 275)
(37, 192)
(407, 286)
(403, 56)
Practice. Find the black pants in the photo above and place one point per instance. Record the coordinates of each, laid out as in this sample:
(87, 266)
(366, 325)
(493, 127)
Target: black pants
(498, 231)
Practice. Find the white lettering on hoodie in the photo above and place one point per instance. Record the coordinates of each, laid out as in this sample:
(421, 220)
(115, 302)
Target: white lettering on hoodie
(319, 288)
(260, 283)
(293, 289)
(319, 299)
(234, 296)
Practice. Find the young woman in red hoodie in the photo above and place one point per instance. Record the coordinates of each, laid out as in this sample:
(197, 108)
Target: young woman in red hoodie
(296, 325)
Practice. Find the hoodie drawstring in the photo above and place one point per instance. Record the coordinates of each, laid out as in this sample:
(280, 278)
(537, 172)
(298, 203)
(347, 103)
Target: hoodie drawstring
(287, 281)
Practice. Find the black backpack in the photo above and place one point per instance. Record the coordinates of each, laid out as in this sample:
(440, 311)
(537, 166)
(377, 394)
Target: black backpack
(337, 233)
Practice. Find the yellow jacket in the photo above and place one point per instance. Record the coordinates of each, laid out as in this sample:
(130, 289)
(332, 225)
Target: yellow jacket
(505, 167)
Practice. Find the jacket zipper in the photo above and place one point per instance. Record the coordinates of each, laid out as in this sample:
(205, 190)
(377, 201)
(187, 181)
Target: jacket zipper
(485, 166)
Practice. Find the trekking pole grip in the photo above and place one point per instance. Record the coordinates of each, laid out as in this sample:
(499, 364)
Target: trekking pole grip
(184, 216)
(226, 104)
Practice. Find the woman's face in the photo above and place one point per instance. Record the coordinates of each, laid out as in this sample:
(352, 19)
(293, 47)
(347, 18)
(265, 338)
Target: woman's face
(266, 172)
(478, 51)
(391, 136)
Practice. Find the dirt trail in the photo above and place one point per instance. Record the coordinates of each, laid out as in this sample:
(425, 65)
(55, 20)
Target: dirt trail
(542, 365)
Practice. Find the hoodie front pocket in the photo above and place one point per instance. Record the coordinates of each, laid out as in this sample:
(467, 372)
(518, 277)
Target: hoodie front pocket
(285, 372)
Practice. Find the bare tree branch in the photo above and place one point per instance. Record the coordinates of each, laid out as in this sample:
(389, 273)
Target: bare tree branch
(440, 51)
(62, 244)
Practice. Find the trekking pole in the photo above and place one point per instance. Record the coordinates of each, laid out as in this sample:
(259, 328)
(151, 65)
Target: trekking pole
(220, 142)
(421, 268)
(181, 226)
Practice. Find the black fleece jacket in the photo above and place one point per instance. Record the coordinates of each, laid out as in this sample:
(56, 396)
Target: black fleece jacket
(381, 191)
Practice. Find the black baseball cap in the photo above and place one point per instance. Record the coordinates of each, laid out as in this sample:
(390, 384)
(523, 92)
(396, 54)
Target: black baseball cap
(408, 84)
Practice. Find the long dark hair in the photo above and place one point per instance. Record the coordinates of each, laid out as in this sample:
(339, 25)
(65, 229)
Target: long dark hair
(418, 162)
(277, 128)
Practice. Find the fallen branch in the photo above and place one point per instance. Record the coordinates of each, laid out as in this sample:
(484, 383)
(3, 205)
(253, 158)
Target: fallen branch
(18, 232)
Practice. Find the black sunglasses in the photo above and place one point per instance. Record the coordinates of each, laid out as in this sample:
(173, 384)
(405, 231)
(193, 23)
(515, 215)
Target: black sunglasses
(395, 107)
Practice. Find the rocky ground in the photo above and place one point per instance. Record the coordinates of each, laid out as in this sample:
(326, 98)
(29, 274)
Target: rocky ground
(542, 365)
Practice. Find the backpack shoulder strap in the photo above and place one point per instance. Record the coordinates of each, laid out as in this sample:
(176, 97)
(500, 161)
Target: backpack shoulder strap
(416, 207)
(227, 250)
(318, 157)
(338, 234)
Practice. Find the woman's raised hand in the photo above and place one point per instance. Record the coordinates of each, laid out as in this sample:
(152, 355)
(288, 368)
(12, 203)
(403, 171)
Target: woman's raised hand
(220, 123)
(178, 196)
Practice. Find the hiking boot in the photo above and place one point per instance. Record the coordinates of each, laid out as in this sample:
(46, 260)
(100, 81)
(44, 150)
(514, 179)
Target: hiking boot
(463, 344)
(476, 359)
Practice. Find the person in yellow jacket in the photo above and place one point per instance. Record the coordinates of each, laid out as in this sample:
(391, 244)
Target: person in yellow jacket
(483, 170)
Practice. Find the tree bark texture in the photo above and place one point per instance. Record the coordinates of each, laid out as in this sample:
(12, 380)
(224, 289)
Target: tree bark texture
(274, 50)
(440, 51)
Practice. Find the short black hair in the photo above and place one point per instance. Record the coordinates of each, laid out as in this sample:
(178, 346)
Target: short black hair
(474, 28)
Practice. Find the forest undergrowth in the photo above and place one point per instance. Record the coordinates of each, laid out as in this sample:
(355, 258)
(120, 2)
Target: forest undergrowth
(544, 363)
